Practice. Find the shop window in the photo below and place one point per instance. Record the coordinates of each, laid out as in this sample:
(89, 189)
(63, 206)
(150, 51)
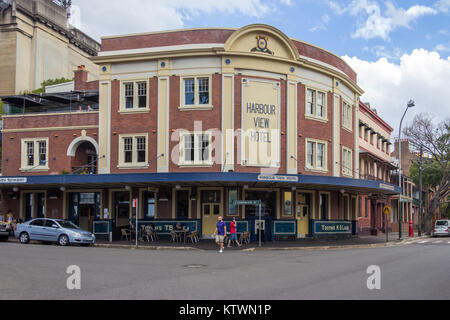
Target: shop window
(182, 204)
(233, 208)
(324, 206)
(149, 205)
(287, 203)
(268, 203)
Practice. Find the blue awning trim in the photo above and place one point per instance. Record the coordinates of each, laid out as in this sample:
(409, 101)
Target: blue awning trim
(61, 180)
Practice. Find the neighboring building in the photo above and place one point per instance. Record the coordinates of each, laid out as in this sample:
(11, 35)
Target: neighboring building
(409, 206)
(374, 164)
(188, 122)
(38, 44)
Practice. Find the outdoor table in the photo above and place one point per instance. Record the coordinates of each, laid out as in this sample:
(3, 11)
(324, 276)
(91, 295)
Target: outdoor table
(184, 232)
(238, 234)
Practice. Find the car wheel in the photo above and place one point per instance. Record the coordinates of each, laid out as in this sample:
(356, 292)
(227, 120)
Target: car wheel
(24, 238)
(63, 240)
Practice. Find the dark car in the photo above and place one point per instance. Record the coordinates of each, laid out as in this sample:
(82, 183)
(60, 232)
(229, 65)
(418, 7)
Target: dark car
(5, 229)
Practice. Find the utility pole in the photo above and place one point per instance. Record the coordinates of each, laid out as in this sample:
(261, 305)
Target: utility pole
(420, 191)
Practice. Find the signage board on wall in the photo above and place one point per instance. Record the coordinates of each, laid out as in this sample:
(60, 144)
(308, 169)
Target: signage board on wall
(13, 180)
(332, 227)
(261, 123)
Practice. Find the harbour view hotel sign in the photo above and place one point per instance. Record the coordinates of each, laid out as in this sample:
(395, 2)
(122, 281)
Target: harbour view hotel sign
(260, 141)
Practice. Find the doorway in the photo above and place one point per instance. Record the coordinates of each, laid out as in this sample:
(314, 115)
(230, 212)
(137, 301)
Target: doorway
(84, 208)
(211, 209)
(121, 207)
(304, 207)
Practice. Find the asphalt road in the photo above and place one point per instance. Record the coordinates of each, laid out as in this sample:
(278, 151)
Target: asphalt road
(412, 271)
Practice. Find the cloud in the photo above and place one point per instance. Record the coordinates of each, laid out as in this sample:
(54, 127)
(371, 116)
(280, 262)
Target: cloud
(377, 24)
(443, 5)
(101, 18)
(322, 25)
(442, 47)
(421, 75)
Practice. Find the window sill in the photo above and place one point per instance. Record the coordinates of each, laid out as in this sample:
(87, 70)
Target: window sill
(310, 117)
(132, 166)
(196, 165)
(38, 169)
(347, 129)
(195, 107)
(143, 110)
(316, 170)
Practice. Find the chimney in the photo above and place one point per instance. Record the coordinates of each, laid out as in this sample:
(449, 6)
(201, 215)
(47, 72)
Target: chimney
(81, 77)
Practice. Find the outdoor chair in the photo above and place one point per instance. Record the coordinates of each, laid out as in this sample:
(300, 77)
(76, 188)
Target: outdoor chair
(148, 234)
(245, 238)
(175, 237)
(125, 233)
(193, 236)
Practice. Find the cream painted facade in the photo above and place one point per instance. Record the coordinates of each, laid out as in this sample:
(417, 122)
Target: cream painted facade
(37, 47)
(229, 59)
(378, 130)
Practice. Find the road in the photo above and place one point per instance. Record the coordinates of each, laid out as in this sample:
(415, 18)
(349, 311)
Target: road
(418, 270)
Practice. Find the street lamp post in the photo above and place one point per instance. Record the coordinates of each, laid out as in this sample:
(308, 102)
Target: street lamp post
(400, 207)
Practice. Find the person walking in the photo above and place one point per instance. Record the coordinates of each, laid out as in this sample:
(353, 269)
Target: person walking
(233, 235)
(221, 231)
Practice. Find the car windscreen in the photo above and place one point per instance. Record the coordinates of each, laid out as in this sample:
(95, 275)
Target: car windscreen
(442, 223)
(68, 225)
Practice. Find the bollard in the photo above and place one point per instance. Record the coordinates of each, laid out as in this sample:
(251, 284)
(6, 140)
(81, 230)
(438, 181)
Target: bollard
(411, 229)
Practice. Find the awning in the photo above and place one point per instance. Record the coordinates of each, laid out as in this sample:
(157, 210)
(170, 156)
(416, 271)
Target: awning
(23, 101)
(198, 179)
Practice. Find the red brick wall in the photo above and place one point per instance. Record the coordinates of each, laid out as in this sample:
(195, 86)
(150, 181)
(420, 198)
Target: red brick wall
(59, 142)
(214, 36)
(308, 128)
(210, 119)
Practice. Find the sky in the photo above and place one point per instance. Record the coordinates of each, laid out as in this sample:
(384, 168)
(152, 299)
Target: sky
(399, 48)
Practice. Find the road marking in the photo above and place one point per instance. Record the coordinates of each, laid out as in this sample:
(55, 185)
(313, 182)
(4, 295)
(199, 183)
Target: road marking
(436, 242)
(425, 241)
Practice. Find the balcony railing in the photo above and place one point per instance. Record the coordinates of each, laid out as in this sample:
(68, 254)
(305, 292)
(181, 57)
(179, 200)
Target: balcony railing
(85, 170)
(373, 178)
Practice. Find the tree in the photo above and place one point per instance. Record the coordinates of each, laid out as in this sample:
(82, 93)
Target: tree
(434, 141)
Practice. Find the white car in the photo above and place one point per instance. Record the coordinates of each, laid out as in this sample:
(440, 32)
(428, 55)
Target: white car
(442, 228)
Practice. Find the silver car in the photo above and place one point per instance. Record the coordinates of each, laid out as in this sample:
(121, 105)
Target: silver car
(441, 228)
(52, 230)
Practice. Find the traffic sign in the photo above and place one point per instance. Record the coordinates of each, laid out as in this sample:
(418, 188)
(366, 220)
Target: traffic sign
(387, 210)
(135, 201)
(247, 202)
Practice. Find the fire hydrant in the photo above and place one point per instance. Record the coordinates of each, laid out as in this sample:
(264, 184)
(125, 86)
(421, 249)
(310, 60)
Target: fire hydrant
(411, 229)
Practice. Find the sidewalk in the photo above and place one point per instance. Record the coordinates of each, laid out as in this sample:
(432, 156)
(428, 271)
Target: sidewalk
(299, 244)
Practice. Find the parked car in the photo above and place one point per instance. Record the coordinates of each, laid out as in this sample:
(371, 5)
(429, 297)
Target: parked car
(441, 228)
(5, 229)
(53, 230)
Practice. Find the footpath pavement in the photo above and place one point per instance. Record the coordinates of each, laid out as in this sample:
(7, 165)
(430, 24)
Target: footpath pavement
(299, 244)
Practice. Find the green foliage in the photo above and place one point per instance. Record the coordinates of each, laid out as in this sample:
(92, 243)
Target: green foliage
(65, 172)
(50, 82)
(432, 173)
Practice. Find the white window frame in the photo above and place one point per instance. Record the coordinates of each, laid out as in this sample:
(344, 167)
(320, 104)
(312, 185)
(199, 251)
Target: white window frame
(197, 162)
(135, 108)
(347, 115)
(314, 167)
(134, 163)
(24, 159)
(315, 116)
(196, 105)
(347, 167)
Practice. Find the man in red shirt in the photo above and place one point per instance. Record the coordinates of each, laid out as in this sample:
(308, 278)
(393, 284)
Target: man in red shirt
(233, 235)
